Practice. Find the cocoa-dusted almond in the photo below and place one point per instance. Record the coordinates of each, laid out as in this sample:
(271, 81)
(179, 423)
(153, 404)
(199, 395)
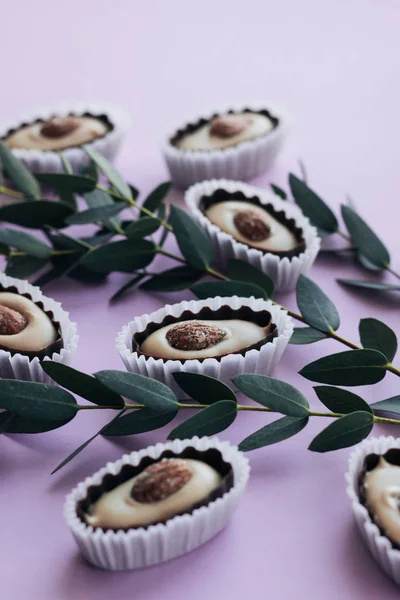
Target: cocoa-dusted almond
(251, 226)
(59, 126)
(194, 335)
(161, 480)
(11, 321)
(229, 125)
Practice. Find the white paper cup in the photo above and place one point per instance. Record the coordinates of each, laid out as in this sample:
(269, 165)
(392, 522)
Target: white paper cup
(242, 162)
(40, 161)
(140, 547)
(261, 361)
(380, 546)
(284, 271)
(18, 366)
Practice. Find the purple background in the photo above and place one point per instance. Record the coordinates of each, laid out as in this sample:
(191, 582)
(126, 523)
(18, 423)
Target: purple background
(336, 67)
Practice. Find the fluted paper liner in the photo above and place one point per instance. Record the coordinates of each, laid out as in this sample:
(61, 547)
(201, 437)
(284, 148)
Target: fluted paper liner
(379, 545)
(142, 547)
(243, 161)
(40, 161)
(18, 366)
(262, 360)
(284, 271)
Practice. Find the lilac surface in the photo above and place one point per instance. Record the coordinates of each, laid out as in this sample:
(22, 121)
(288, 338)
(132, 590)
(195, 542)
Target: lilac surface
(335, 66)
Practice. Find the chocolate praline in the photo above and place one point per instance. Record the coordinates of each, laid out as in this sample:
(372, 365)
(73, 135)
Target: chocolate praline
(155, 491)
(253, 223)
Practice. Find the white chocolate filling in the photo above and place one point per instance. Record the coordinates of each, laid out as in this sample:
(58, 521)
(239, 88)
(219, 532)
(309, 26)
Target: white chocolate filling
(39, 331)
(239, 335)
(201, 138)
(118, 510)
(31, 138)
(382, 494)
(223, 214)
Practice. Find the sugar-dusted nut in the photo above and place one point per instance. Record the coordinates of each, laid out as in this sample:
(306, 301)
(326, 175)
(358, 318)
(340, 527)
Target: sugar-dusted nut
(194, 335)
(161, 480)
(11, 321)
(229, 125)
(251, 226)
(59, 126)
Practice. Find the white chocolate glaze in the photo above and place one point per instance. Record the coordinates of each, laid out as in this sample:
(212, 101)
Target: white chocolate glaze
(382, 495)
(223, 214)
(239, 334)
(39, 331)
(118, 510)
(201, 138)
(31, 138)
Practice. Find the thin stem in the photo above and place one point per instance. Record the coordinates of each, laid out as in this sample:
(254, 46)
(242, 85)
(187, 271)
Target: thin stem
(12, 193)
(393, 272)
(170, 255)
(344, 235)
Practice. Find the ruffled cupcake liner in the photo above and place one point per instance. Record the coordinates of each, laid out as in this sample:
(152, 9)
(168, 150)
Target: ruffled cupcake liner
(142, 547)
(39, 161)
(284, 271)
(241, 162)
(261, 361)
(18, 366)
(380, 546)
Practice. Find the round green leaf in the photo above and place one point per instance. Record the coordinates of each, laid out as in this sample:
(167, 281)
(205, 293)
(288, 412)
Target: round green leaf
(94, 215)
(370, 285)
(279, 430)
(344, 432)
(279, 191)
(33, 400)
(389, 405)
(24, 242)
(16, 424)
(315, 306)
(353, 367)
(273, 393)
(209, 421)
(139, 421)
(125, 256)
(24, 266)
(35, 215)
(142, 228)
(112, 175)
(202, 388)
(243, 271)
(340, 401)
(193, 242)
(376, 335)
(142, 390)
(156, 197)
(18, 173)
(211, 289)
(178, 278)
(306, 335)
(312, 206)
(64, 182)
(367, 242)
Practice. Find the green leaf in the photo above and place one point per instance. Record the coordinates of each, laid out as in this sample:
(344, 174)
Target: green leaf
(367, 242)
(63, 182)
(242, 271)
(367, 264)
(370, 285)
(82, 384)
(142, 390)
(376, 335)
(35, 215)
(139, 421)
(97, 199)
(156, 197)
(315, 306)
(24, 266)
(18, 173)
(353, 367)
(16, 424)
(273, 393)
(344, 432)
(112, 175)
(125, 256)
(340, 401)
(193, 242)
(202, 388)
(279, 430)
(36, 400)
(312, 206)
(98, 238)
(389, 405)
(210, 289)
(172, 280)
(24, 242)
(142, 228)
(306, 335)
(127, 286)
(209, 421)
(94, 215)
(279, 191)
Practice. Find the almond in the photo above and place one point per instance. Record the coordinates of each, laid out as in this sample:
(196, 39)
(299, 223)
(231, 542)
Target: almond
(161, 480)
(59, 126)
(11, 321)
(251, 226)
(229, 125)
(196, 335)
